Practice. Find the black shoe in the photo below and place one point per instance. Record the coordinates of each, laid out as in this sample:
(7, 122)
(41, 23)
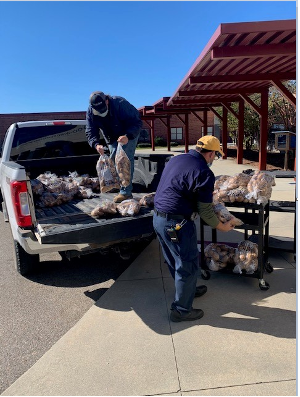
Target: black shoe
(194, 314)
(201, 290)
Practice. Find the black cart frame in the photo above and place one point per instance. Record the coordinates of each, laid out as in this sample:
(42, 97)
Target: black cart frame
(255, 218)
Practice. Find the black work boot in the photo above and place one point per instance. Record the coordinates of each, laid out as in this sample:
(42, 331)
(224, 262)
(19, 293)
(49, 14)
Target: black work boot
(194, 314)
(200, 290)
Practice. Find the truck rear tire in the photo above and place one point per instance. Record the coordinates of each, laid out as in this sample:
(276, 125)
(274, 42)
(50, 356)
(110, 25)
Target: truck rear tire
(24, 262)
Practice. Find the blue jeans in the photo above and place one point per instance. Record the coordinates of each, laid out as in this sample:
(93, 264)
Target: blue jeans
(182, 259)
(129, 149)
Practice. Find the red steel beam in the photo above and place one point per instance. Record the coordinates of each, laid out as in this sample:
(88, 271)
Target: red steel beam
(285, 92)
(251, 51)
(216, 113)
(263, 131)
(259, 27)
(252, 104)
(205, 122)
(207, 101)
(169, 133)
(178, 116)
(160, 112)
(186, 135)
(152, 135)
(228, 107)
(224, 132)
(226, 91)
(234, 78)
(240, 148)
(198, 117)
(163, 121)
(153, 116)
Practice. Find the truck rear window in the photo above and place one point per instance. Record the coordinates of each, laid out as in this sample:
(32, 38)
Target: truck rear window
(49, 142)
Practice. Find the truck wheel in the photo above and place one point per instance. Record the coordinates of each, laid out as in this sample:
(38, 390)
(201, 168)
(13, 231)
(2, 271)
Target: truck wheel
(24, 262)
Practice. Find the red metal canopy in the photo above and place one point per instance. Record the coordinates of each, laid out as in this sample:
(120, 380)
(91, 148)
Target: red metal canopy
(240, 59)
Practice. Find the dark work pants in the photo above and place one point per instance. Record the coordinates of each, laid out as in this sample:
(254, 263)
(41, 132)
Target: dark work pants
(182, 259)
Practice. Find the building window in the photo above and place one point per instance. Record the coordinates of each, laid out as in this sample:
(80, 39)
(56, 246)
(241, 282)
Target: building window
(210, 130)
(176, 133)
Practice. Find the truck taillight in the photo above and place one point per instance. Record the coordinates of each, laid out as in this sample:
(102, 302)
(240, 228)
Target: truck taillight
(59, 123)
(20, 202)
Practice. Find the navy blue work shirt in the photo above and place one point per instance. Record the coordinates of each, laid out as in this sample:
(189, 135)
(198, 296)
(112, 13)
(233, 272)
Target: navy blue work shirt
(185, 180)
(122, 119)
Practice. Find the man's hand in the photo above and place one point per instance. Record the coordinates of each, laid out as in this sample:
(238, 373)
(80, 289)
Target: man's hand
(100, 149)
(225, 227)
(194, 216)
(123, 139)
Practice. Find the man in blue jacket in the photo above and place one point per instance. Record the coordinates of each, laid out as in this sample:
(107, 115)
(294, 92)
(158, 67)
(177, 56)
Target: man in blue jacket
(186, 186)
(119, 121)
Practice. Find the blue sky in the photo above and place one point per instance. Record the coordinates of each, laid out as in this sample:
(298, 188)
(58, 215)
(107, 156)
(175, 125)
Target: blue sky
(54, 54)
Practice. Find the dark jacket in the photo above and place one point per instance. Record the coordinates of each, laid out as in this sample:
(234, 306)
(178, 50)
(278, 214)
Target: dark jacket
(186, 179)
(122, 119)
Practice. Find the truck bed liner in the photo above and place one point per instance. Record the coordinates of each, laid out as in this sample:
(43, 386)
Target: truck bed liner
(71, 223)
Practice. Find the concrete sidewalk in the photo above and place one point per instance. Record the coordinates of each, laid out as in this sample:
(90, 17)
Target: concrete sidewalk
(125, 345)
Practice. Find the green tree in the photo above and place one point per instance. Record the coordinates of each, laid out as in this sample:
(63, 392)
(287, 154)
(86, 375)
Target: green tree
(280, 111)
(251, 123)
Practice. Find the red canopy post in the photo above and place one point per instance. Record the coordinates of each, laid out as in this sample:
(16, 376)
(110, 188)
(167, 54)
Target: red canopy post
(241, 118)
(224, 131)
(263, 130)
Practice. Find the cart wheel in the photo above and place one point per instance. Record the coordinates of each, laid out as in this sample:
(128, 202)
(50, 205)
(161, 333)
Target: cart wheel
(205, 275)
(269, 267)
(263, 285)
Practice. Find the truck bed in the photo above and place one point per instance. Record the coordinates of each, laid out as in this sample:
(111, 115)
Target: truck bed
(71, 223)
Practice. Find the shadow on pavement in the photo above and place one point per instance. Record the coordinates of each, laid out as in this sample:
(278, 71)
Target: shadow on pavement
(232, 302)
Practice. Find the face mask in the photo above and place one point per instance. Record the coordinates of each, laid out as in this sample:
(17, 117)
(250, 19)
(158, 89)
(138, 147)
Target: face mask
(103, 114)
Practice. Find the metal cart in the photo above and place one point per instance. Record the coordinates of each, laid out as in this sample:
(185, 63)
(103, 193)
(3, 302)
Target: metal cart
(256, 221)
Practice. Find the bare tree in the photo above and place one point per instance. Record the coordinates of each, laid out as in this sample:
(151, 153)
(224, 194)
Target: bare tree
(280, 110)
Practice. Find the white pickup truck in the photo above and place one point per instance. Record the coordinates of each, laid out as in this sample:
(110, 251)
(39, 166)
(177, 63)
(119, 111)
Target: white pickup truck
(35, 147)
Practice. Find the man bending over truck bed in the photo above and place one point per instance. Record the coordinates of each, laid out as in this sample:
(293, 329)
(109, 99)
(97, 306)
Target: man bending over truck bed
(120, 122)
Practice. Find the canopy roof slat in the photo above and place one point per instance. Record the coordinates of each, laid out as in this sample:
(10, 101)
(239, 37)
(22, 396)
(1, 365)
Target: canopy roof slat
(243, 57)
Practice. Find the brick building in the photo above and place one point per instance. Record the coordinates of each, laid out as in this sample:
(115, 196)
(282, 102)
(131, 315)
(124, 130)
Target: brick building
(160, 130)
(178, 129)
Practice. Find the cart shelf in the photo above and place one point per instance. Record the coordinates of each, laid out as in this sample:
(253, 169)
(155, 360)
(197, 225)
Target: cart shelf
(256, 220)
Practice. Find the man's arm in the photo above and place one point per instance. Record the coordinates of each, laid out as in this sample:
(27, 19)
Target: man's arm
(91, 131)
(206, 212)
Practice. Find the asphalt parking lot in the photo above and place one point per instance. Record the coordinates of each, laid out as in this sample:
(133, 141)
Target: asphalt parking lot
(37, 311)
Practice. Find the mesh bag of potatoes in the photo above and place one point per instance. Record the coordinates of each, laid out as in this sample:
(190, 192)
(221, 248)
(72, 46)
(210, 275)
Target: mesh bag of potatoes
(37, 187)
(108, 177)
(221, 181)
(232, 188)
(218, 256)
(129, 207)
(246, 257)
(224, 215)
(105, 208)
(55, 191)
(260, 187)
(123, 166)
